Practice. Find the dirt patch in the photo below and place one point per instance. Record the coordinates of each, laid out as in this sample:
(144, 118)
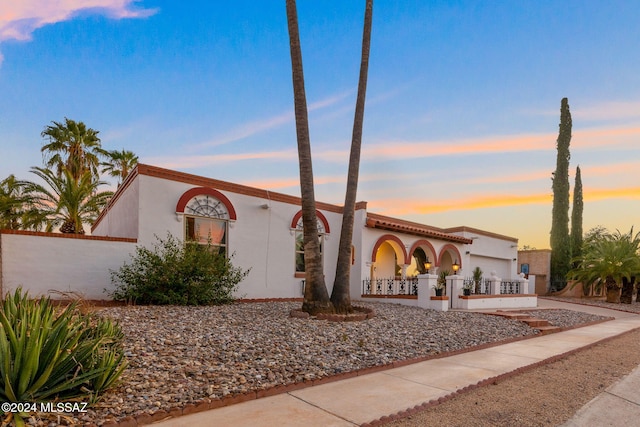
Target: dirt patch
(545, 396)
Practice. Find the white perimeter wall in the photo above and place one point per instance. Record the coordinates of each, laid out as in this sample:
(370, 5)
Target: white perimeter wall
(40, 263)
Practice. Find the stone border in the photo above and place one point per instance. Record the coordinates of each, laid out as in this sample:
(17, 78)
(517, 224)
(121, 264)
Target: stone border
(208, 404)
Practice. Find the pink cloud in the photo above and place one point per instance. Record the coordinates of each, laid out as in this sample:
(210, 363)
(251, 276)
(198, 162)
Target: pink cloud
(406, 207)
(19, 19)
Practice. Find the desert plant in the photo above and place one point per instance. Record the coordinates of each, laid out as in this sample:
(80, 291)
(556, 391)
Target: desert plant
(606, 260)
(477, 278)
(441, 283)
(55, 354)
(173, 272)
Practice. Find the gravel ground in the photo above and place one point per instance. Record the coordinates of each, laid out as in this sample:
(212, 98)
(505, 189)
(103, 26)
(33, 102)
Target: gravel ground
(180, 355)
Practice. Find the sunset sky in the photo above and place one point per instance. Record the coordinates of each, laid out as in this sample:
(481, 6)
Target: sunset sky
(462, 111)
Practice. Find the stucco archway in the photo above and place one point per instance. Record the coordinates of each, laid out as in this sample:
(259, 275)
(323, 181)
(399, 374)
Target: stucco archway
(388, 254)
(448, 255)
(421, 251)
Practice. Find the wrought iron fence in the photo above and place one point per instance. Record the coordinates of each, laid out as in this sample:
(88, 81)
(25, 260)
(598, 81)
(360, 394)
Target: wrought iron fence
(483, 287)
(390, 286)
(510, 287)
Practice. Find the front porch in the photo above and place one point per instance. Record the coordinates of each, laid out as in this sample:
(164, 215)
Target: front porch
(459, 293)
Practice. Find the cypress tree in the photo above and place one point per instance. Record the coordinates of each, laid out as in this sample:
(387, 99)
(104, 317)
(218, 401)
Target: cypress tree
(560, 242)
(576, 216)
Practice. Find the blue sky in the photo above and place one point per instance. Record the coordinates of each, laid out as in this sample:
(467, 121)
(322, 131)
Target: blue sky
(462, 105)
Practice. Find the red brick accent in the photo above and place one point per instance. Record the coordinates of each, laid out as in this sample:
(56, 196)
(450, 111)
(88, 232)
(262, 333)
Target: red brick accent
(239, 398)
(408, 227)
(190, 194)
(385, 238)
(251, 300)
(440, 298)
(320, 216)
(496, 296)
(68, 236)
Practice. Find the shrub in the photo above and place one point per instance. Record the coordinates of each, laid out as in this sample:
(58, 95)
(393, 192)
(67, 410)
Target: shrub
(177, 273)
(49, 353)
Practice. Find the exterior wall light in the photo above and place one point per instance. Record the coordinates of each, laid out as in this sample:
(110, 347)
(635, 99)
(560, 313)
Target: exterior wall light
(427, 265)
(455, 267)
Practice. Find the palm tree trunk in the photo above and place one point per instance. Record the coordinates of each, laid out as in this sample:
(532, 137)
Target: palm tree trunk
(340, 294)
(316, 297)
(612, 289)
(626, 297)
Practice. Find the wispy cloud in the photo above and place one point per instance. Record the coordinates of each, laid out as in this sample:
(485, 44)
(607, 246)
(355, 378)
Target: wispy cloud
(610, 138)
(19, 19)
(258, 126)
(196, 161)
(406, 207)
(614, 110)
(607, 110)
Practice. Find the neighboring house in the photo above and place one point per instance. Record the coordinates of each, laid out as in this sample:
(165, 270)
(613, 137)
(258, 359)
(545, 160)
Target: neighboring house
(536, 263)
(261, 230)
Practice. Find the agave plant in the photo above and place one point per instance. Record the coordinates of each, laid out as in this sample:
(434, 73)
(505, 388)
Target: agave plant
(48, 354)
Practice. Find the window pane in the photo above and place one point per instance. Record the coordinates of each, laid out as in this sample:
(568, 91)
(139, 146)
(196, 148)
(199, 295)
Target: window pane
(206, 229)
(299, 262)
(299, 241)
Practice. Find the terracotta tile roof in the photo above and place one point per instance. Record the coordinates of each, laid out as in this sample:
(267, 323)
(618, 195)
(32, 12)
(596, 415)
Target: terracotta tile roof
(394, 224)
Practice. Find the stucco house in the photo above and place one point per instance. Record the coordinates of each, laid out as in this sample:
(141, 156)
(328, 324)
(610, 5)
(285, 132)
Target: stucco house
(260, 229)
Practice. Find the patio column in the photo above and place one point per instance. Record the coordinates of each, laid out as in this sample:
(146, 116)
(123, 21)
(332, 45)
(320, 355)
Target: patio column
(426, 282)
(454, 289)
(524, 284)
(494, 282)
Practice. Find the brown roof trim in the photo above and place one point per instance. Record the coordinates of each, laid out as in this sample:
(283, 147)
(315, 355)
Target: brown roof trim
(197, 180)
(394, 224)
(68, 236)
(478, 231)
(187, 178)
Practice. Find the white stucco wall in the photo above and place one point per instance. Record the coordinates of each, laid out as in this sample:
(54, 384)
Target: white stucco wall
(121, 217)
(40, 263)
(260, 239)
(490, 253)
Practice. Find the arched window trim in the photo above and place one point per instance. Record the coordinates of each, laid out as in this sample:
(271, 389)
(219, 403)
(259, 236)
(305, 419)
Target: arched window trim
(205, 191)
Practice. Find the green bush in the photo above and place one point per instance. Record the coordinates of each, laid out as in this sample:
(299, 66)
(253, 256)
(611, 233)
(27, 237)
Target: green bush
(49, 353)
(177, 273)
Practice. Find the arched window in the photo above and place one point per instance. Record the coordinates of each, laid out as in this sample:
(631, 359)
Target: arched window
(323, 230)
(206, 218)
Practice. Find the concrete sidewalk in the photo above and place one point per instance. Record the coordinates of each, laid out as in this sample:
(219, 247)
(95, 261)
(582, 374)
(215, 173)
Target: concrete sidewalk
(366, 398)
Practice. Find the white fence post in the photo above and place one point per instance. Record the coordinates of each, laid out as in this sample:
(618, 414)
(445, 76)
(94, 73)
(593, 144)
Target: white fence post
(524, 284)
(425, 289)
(495, 282)
(454, 288)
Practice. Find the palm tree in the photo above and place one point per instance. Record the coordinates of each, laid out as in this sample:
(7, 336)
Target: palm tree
(340, 294)
(67, 202)
(609, 260)
(119, 164)
(14, 203)
(316, 297)
(72, 146)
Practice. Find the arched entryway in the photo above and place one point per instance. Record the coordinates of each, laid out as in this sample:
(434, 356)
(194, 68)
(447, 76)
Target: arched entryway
(389, 257)
(449, 255)
(420, 253)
